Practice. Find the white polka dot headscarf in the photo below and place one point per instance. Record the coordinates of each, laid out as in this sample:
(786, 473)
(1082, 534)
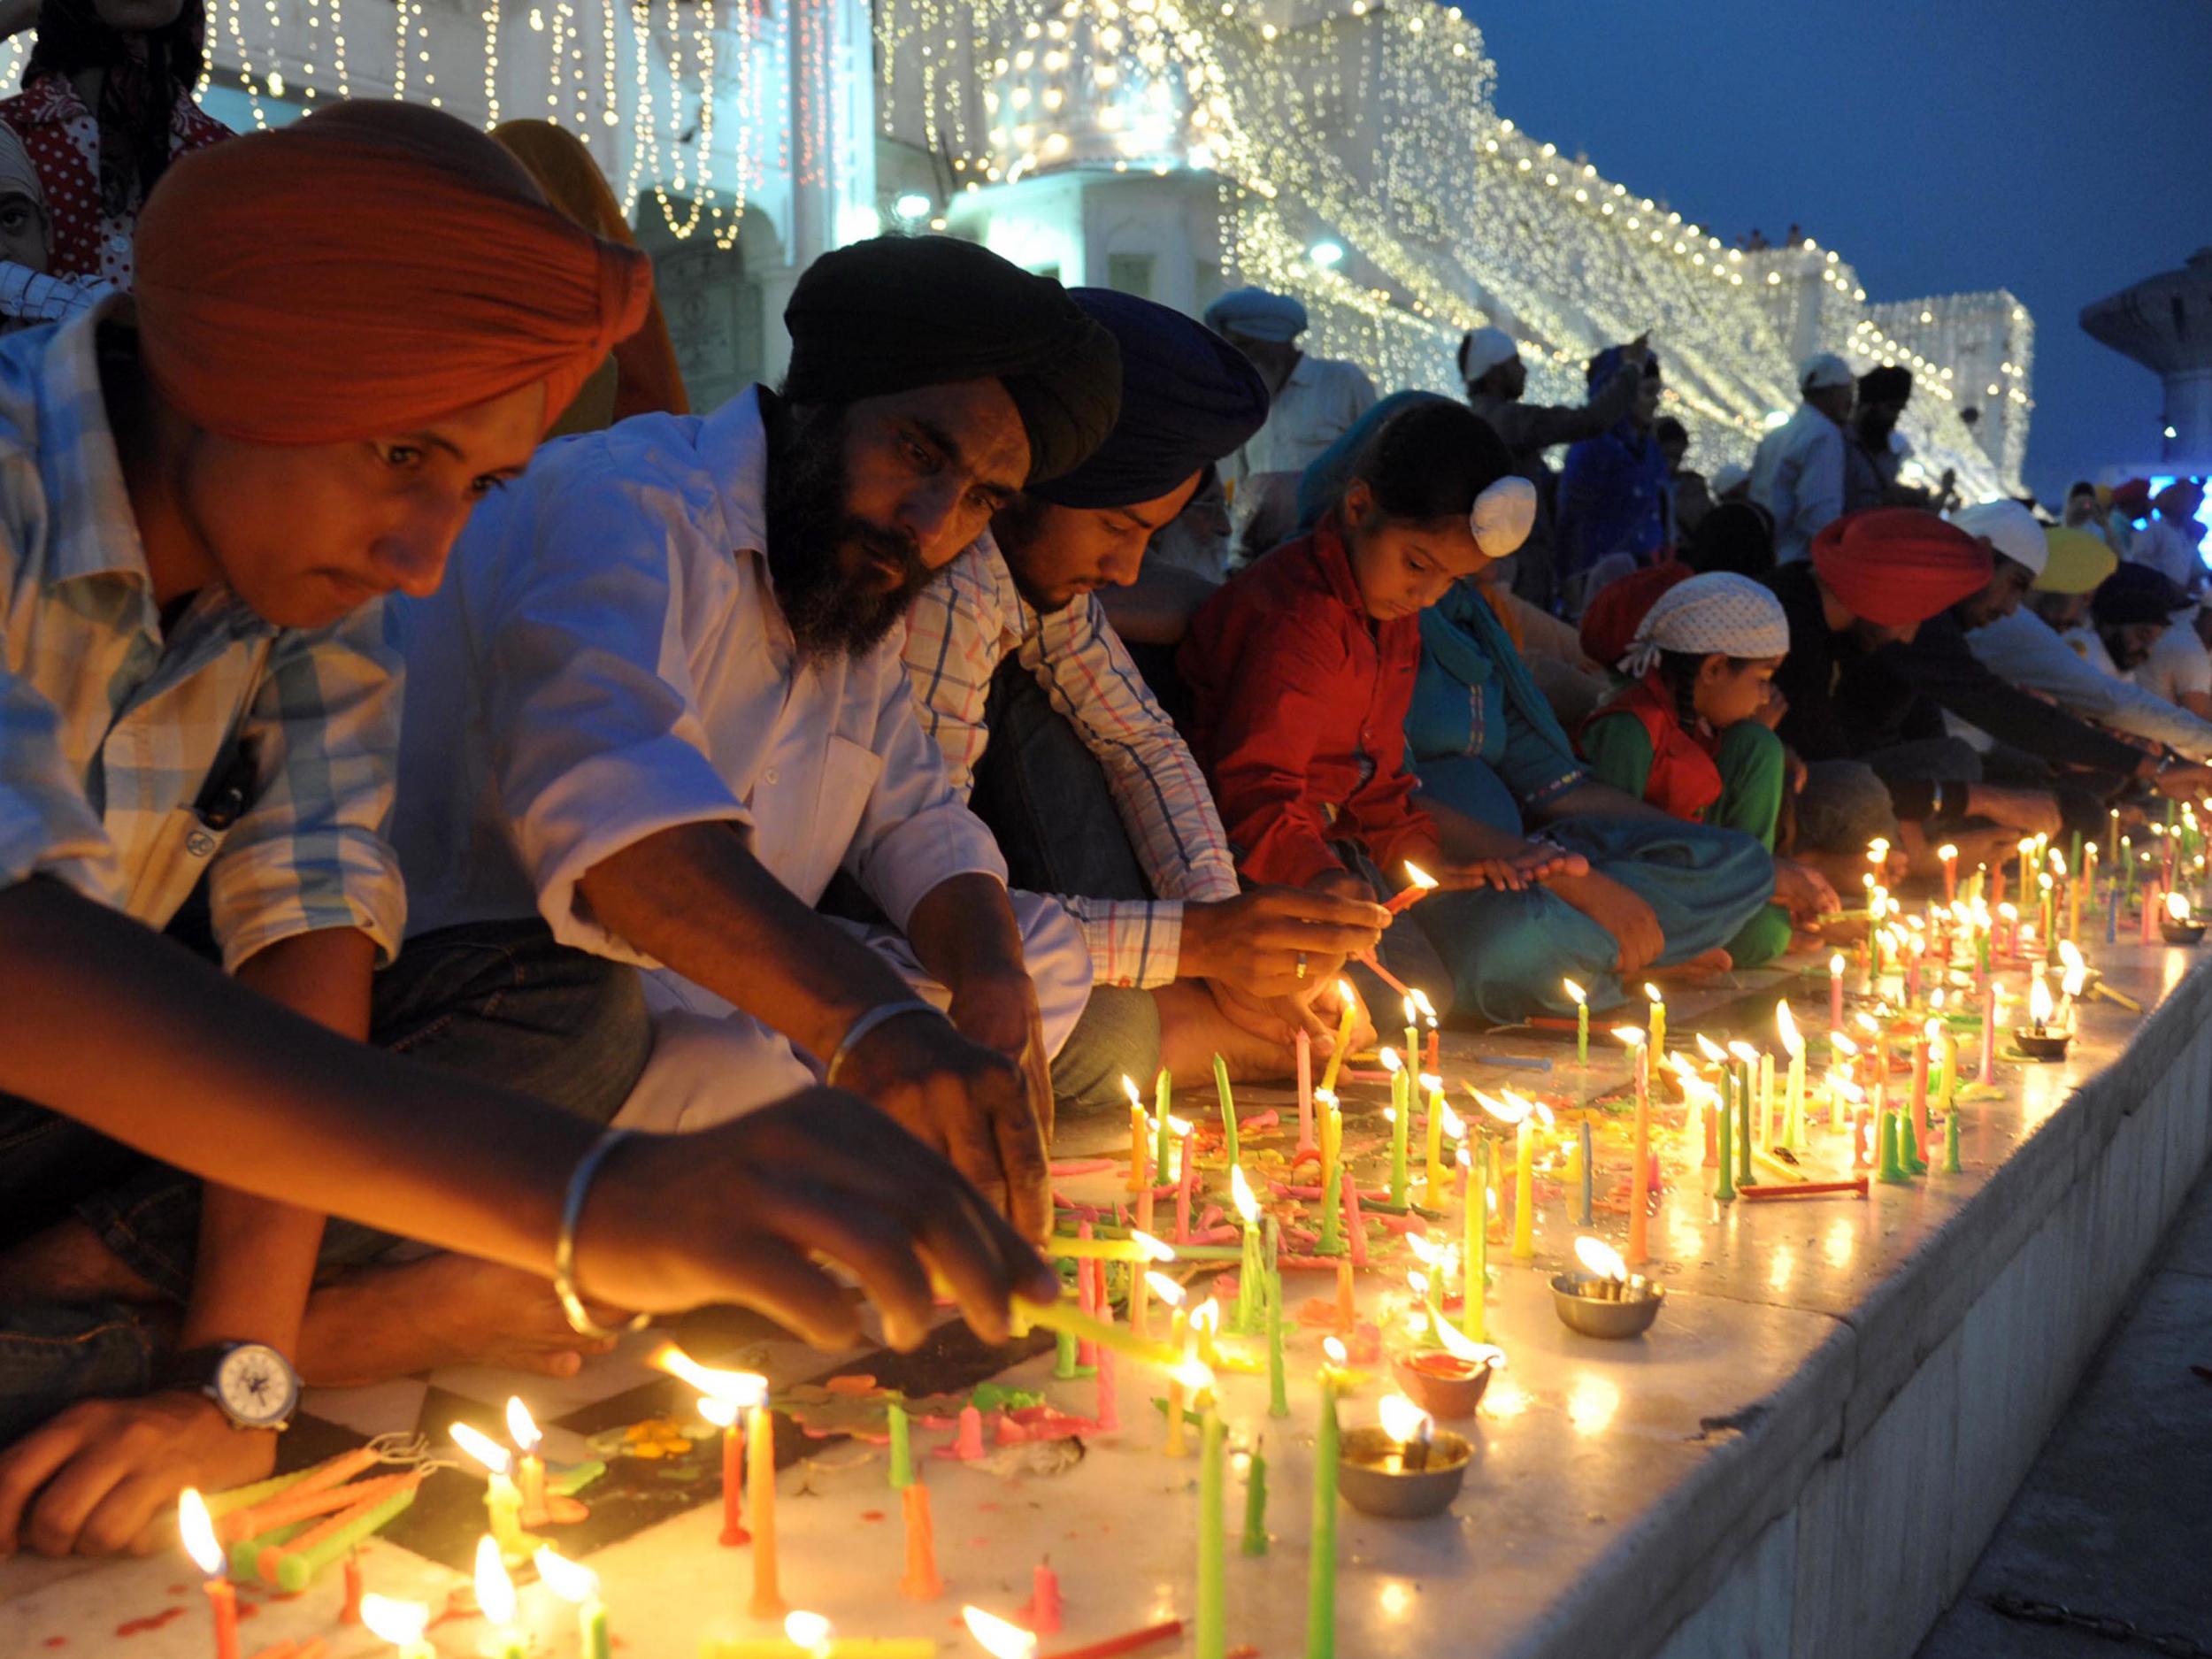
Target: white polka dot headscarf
(1718, 612)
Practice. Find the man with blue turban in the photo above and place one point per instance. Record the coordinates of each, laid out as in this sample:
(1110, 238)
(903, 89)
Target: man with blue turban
(1313, 401)
(1083, 779)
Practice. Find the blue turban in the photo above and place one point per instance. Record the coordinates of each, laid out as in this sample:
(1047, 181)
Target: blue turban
(1258, 315)
(1188, 397)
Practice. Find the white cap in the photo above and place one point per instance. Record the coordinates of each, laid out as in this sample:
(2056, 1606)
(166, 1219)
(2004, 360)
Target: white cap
(1824, 371)
(1727, 476)
(1483, 351)
(2009, 527)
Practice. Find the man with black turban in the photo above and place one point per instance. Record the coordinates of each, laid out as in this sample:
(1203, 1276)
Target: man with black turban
(1086, 783)
(1870, 456)
(2129, 613)
(661, 703)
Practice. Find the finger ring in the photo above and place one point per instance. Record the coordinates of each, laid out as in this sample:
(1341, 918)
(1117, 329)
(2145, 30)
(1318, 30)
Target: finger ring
(1301, 964)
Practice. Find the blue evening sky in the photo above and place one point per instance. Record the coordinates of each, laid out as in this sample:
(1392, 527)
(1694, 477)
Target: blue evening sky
(2059, 149)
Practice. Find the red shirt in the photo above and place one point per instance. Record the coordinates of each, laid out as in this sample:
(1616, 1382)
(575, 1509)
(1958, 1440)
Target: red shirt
(63, 137)
(1299, 712)
(1685, 781)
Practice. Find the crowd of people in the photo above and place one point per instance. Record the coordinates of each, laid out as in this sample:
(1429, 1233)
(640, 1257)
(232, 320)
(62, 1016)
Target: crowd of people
(454, 795)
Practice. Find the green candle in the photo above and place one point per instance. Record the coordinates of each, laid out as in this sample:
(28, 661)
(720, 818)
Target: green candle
(1951, 1164)
(902, 1449)
(1743, 1129)
(1401, 1130)
(1228, 1108)
(1475, 1253)
(1890, 1171)
(1909, 1143)
(1162, 1096)
(1321, 1558)
(1278, 1394)
(1724, 1188)
(1255, 1506)
(1212, 1638)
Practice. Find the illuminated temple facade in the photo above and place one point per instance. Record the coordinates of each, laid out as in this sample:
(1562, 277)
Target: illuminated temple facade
(1346, 151)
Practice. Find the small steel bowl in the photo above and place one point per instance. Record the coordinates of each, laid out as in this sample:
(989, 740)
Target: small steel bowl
(2041, 1045)
(1578, 1299)
(2182, 932)
(1372, 1476)
(1443, 1385)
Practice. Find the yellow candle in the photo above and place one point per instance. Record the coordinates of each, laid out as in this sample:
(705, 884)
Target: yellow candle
(1432, 1178)
(1343, 1037)
(1524, 1190)
(760, 1448)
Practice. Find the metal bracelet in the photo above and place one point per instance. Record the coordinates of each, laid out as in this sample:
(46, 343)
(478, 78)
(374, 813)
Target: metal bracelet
(565, 1244)
(857, 1031)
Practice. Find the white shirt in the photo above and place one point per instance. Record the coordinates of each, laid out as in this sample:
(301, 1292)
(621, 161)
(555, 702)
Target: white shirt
(2168, 549)
(1317, 406)
(1798, 476)
(2076, 673)
(2178, 664)
(606, 659)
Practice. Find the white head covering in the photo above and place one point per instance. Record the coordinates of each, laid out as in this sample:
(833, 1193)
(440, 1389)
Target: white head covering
(1503, 515)
(1727, 476)
(1719, 612)
(17, 176)
(2010, 528)
(1483, 351)
(1824, 371)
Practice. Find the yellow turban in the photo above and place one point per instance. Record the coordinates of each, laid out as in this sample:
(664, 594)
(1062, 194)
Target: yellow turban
(2078, 563)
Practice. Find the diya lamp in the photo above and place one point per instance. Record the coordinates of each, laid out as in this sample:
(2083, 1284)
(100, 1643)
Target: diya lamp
(1605, 1299)
(1403, 1469)
(2041, 1038)
(1446, 1380)
(2179, 924)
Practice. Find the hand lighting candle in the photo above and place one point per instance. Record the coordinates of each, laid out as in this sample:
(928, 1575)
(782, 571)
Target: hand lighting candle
(197, 1530)
(1419, 885)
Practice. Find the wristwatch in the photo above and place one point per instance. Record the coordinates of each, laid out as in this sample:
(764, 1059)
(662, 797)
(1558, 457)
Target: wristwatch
(250, 1382)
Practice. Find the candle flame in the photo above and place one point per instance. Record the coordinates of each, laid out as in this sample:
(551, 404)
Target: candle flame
(495, 1590)
(742, 1387)
(1786, 1023)
(1419, 876)
(1129, 1087)
(399, 1623)
(1240, 1196)
(196, 1527)
(1710, 1050)
(1405, 1422)
(810, 1633)
(1835, 964)
(1744, 1052)
(481, 1446)
(1634, 1036)
(1849, 1090)
(2040, 1008)
(1166, 1288)
(1474, 1353)
(1500, 1109)
(1876, 850)
(1454, 1125)
(1423, 1252)
(1652, 991)
(1947, 853)
(570, 1580)
(1431, 1082)
(1193, 1373)
(1206, 1316)
(522, 1428)
(1182, 1126)
(721, 1413)
(1345, 996)
(1333, 1350)
(999, 1639)
(1158, 1250)
(1419, 1281)
(2058, 863)
(2008, 910)
(1576, 993)
(1870, 1026)
(1599, 1257)
(1391, 1062)
(2177, 907)
(1933, 1031)
(1421, 1001)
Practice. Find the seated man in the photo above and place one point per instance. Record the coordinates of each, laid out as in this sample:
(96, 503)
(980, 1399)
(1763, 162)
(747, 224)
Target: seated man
(2026, 649)
(1893, 693)
(661, 703)
(1088, 786)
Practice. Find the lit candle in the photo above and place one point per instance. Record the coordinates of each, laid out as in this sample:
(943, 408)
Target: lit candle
(529, 1467)
(1186, 1179)
(1211, 1632)
(1163, 1095)
(999, 1639)
(1321, 1558)
(1640, 1177)
(1140, 1278)
(1250, 1289)
(1475, 1251)
(1428, 1019)
(503, 1504)
(1433, 1171)
(1724, 1187)
(1413, 1039)
(1658, 1018)
(1835, 991)
(400, 1622)
(197, 1530)
(1304, 1044)
(579, 1586)
(1950, 856)
(495, 1599)
(725, 1416)
(1228, 1099)
(1139, 1135)
(1401, 1122)
(1793, 1097)
(1582, 1021)
(760, 1437)
(1332, 1172)
(1524, 1187)
(2113, 856)
(1345, 1026)
(1178, 1336)
(1419, 885)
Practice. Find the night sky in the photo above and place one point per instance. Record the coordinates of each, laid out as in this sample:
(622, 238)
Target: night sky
(2036, 145)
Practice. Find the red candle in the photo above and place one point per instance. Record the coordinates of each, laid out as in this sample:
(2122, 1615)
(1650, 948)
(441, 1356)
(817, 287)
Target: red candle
(733, 1421)
(1835, 991)
(349, 1609)
(1639, 1186)
(1305, 1091)
(198, 1533)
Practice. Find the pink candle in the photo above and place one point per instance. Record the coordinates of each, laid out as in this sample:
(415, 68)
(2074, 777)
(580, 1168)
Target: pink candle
(1305, 1091)
(1087, 1299)
(1835, 991)
(2150, 911)
(1989, 1029)
(1639, 1188)
(733, 1533)
(1354, 1224)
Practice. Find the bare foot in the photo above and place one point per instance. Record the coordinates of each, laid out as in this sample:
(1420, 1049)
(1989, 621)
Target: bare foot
(378, 1323)
(1704, 966)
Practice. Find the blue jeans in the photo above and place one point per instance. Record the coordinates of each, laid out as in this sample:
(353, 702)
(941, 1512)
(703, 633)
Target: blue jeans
(499, 1002)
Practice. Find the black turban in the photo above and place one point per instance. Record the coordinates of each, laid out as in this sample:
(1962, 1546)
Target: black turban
(1188, 397)
(898, 312)
(2135, 593)
(1889, 384)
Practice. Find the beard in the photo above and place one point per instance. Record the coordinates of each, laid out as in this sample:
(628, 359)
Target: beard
(813, 542)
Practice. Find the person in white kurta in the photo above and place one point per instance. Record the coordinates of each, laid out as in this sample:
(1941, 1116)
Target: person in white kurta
(626, 715)
(1797, 474)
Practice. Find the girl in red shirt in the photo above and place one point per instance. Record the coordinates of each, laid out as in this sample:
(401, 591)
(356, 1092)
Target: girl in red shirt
(1302, 669)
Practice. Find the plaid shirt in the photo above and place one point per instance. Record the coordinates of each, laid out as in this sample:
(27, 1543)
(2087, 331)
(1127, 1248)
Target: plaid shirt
(960, 628)
(32, 297)
(135, 758)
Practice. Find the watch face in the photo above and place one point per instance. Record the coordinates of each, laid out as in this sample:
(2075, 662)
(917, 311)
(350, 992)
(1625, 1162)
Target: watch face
(255, 1385)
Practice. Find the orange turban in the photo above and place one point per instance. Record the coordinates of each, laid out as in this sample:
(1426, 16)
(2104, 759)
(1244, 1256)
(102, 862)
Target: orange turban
(369, 268)
(1896, 566)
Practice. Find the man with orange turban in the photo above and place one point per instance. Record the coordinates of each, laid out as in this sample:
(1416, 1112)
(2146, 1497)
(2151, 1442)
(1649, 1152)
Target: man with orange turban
(330, 366)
